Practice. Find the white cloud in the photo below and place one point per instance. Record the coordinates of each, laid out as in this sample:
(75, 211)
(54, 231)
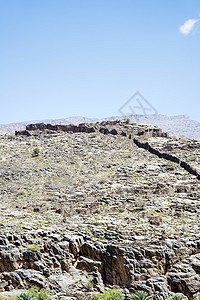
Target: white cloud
(187, 27)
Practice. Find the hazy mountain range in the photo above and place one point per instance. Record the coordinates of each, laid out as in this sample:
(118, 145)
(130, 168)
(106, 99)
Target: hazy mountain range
(176, 125)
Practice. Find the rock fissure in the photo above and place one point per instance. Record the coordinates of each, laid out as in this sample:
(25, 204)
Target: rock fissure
(167, 156)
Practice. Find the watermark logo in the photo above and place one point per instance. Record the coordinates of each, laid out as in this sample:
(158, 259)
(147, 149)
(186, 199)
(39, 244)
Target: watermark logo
(137, 105)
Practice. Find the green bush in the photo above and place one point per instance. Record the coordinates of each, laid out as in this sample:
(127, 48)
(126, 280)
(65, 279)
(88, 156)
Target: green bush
(109, 295)
(34, 247)
(176, 297)
(141, 295)
(14, 297)
(26, 296)
(126, 120)
(36, 152)
(88, 285)
(34, 294)
(44, 295)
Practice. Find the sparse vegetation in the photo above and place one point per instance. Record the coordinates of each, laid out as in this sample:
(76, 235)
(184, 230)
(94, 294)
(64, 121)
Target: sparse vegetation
(141, 295)
(14, 297)
(171, 165)
(192, 157)
(21, 192)
(89, 284)
(126, 120)
(176, 297)
(140, 204)
(34, 294)
(110, 295)
(34, 247)
(35, 152)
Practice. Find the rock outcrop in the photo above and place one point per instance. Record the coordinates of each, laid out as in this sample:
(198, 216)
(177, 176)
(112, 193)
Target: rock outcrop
(132, 131)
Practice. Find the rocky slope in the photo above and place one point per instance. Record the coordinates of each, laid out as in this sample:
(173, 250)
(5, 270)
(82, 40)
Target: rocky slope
(100, 205)
(176, 125)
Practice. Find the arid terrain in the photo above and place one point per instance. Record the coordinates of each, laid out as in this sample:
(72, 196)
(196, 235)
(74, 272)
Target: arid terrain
(100, 205)
(180, 125)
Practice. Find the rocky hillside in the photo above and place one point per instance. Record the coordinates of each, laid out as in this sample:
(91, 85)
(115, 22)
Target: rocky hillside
(176, 125)
(93, 206)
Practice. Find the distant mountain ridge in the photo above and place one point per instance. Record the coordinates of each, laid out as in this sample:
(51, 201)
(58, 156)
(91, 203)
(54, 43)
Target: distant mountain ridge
(176, 125)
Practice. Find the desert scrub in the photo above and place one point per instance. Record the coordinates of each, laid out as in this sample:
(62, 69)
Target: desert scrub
(34, 294)
(109, 295)
(35, 152)
(88, 285)
(14, 297)
(126, 120)
(192, 157)
(140, 204)
(21, 192)
(141, 295)
(34, 247)
(93, 134)
(177, 297)
(171, 166)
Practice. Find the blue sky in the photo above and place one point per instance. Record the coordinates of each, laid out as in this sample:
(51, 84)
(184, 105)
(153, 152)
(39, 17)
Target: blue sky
(62, 58)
